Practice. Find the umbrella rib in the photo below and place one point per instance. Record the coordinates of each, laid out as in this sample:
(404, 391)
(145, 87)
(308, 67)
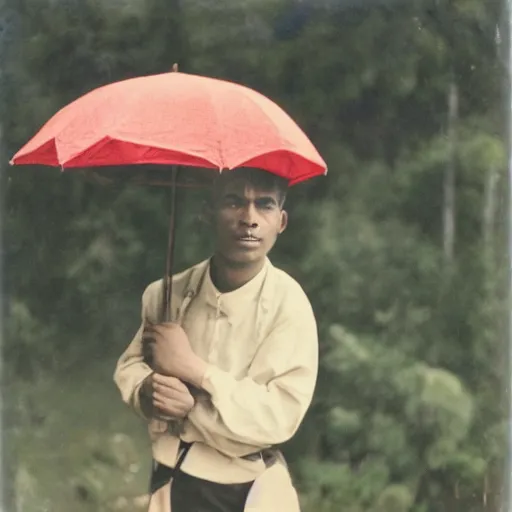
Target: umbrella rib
(267, 117)
(218, 123)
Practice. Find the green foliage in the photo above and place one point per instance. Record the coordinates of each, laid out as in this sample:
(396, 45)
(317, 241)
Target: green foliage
(409, 413)
(395, 498)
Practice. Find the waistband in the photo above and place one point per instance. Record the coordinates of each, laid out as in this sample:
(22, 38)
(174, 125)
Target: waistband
(162, 474)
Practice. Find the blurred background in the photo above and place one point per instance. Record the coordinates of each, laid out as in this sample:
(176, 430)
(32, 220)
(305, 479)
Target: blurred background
(402, 249)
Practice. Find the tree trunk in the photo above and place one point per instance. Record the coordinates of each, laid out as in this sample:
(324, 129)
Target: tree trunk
(489, 213)
(449, 176)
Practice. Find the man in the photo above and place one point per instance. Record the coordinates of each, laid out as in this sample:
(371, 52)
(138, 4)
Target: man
(233, 376)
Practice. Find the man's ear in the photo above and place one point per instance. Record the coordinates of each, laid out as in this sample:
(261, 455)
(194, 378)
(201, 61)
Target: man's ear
(284, 221)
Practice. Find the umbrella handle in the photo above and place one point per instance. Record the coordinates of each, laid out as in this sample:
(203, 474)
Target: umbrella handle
(175, 427)
(169, 263)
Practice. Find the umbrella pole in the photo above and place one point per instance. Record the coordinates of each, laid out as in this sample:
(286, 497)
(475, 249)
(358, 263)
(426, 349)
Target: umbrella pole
(169, 263)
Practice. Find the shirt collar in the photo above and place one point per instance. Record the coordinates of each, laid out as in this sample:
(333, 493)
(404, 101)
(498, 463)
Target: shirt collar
(231, 303)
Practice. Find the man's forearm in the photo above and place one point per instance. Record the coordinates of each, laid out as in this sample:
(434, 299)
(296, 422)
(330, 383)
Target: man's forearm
(194, 371)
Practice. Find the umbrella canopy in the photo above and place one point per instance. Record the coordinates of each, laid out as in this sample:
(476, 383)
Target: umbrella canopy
(175, 119)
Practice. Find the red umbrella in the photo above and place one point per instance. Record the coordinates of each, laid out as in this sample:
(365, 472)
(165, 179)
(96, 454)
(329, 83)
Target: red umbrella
(173, 119)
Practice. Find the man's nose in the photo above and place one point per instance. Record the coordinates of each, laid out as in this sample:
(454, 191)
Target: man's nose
(249, 217)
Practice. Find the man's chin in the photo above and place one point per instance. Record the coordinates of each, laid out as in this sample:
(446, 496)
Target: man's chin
(244, 259)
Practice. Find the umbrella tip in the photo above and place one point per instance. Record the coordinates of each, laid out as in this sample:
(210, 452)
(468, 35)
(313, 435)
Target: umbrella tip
(175, 67)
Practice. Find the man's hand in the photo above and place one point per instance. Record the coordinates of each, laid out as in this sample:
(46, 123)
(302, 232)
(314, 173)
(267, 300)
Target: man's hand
(166, 398)
(171, 398)
(171, 353)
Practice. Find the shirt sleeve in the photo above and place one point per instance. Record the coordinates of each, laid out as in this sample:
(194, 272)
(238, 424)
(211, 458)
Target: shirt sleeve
(131, 370)
(267, 407)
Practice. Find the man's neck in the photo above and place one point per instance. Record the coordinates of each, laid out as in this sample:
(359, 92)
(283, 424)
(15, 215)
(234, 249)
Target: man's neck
(228, 277)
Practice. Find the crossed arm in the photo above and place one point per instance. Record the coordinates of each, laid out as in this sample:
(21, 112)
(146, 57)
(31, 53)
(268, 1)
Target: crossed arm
(263, 409)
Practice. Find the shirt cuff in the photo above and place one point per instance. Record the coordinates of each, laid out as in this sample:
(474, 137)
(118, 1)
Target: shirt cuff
(216, 382)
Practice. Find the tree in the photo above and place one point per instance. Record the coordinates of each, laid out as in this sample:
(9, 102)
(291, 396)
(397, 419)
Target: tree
(403, 100)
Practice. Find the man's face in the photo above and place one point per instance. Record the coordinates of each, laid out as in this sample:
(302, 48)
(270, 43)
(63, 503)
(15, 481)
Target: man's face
(247, 220)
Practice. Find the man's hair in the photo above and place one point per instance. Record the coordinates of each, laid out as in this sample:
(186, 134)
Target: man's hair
(257, 178)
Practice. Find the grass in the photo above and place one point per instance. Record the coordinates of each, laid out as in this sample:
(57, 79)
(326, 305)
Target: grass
(74, 445)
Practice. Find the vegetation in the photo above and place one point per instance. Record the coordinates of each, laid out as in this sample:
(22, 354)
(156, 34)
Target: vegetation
(401, 249)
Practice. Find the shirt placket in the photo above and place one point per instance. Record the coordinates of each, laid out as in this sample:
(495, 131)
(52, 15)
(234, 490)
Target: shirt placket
(214, 348)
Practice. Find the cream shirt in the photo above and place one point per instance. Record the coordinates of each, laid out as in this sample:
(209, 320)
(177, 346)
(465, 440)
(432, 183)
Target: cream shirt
(261, 345)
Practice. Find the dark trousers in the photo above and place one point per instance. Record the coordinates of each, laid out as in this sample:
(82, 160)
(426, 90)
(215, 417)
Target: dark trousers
(192, 494)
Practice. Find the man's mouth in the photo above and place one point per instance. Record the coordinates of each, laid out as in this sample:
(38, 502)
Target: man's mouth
(248, 239)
